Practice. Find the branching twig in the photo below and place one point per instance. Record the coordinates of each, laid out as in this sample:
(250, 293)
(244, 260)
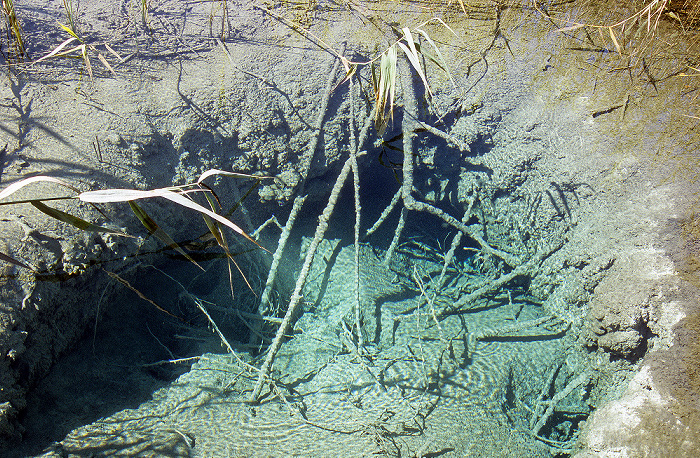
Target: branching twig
(504, 331)
(492, 285)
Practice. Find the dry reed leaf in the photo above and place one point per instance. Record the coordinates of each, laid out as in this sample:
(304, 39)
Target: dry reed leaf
(223, 244)
(105, 63)
(212, 172)
(385, 88)
(413, 57)
(86, 59)
(172, 194)
(570, 28)
(58, 50)
(114, 53)
(16, 186)
(442, 62)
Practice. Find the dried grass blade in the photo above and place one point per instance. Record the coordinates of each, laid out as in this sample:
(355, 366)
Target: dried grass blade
(69, 52)
(442, 63)
(73, 220)
(57, 50)
(385, 88)
(11, 260)
(14, 187)
(210, 194)
(345, 62)
(348, 74)
(114, 53)
(235, 207)
(444, 24)
(245, 279)
(125, 195)
(614, 39)
(412, 55)
(375, 80)
(221, 240)
(140, 294)
(104, 196)
(156, 230)
(105, 63)
(461, 3)
(86, 59)
(570, 28)
(393, 58)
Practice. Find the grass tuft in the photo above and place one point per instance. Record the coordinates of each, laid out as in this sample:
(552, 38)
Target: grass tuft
(81, 51)
(14, 33)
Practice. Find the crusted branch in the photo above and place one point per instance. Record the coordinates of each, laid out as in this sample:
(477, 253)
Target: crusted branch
(452, 140)
(492, 285)
(306, 161)
(453, 247)
(384, 215)
(301, 280)
(358, 209)
(412, 204)
(408, 126)
(264, 306)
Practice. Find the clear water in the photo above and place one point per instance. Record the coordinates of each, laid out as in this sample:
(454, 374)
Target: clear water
(473, 350)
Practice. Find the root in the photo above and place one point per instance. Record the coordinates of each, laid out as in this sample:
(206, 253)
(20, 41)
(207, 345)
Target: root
(264, 306)
(295, 300)
(397, 237)
(384, 215)
(408, 126)
(412, 204)
(490, 286)
(463, 147)
(453, 247)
